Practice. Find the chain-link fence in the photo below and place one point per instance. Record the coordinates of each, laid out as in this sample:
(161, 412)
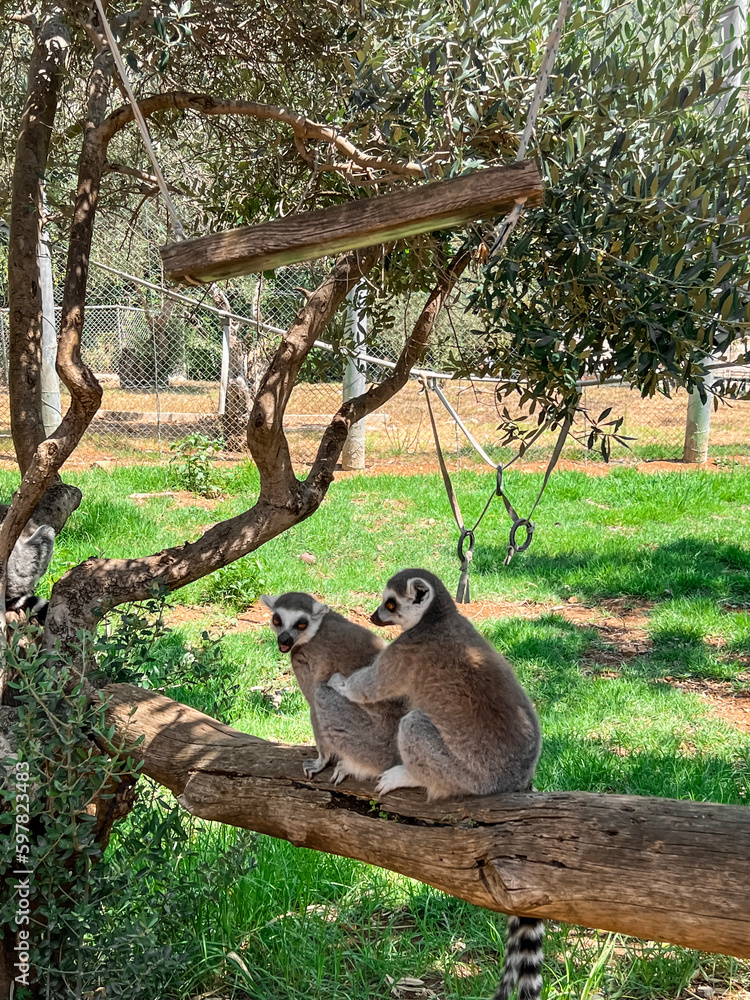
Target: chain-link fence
(174, 364)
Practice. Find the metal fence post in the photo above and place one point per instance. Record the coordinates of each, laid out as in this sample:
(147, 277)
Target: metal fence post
(355, 378)
(698, 419)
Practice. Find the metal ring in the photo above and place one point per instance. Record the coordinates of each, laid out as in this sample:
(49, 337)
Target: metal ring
(465, 533)
(499, 487)
(522, 522)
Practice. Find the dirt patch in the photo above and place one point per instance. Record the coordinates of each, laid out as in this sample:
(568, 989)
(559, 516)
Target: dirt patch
(178, 498)
(621, 622)
(427, 465)
(213, 619)
(677, 465)
(727, 701)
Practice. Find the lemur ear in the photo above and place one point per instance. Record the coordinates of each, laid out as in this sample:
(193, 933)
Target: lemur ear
(319, 609)
(270, 602)
(419, 590)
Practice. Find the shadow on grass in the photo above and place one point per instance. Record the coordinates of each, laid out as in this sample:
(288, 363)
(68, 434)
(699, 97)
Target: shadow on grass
(680, 653)
(686, 566)
(622, 733)
(609, 764)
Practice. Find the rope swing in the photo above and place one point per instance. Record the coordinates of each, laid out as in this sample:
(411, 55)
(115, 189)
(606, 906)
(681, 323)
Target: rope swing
(467, 536)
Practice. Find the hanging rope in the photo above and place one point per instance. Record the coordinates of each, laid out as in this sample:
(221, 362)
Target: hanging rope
(542, 82)
(176, 224)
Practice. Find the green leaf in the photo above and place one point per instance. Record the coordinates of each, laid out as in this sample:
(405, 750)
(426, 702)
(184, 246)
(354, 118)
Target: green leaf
(722, 272)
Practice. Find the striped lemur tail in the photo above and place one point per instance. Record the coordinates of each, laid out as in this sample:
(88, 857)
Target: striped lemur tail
(523, 959)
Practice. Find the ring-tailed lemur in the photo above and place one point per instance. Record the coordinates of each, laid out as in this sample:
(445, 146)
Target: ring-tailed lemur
(470, 727)
(27, 564)
(363, 738)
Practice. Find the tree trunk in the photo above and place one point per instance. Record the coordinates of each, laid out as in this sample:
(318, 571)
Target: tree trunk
(355, 375)
(48, 60)
(656, 868)
(234, 395)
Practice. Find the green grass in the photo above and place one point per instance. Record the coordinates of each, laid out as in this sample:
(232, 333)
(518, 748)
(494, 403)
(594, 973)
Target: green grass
(314, 927)
(622, 534)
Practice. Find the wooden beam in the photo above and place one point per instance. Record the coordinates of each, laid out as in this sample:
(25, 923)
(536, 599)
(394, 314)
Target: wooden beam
(662, 869)
(366, 222)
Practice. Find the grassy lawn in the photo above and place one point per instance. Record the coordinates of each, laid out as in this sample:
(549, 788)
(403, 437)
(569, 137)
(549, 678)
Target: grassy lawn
(305, 925)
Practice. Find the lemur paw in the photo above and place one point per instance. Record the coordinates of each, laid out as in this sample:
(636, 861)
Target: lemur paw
(395, 777)
(341, 772)
(314, 766)
(338, 683)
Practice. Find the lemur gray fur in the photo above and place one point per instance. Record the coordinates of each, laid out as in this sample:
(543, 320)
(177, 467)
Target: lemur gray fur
(469, 728)
(363, 738)
(27, 564)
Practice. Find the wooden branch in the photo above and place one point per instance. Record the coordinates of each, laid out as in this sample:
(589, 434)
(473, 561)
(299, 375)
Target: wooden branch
(334, 436)
(302, 127)
(361, 223)
(110, 167)
(657, 868)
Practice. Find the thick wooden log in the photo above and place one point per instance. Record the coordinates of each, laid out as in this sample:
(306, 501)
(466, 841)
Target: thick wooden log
(363, 223)
(662, 869)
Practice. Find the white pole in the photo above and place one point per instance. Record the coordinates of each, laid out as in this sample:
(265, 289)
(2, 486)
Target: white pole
(698, 425)
(225, 346)
(698, 419)
(355, 374)
(51, 410)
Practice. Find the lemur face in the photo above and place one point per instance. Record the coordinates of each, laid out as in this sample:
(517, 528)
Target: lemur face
(405, 609)
(295, 618)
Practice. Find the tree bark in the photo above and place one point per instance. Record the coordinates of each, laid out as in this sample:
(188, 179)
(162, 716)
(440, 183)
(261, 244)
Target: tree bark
(51, 47)
(352, 225)
(656, 868)
(85, 391)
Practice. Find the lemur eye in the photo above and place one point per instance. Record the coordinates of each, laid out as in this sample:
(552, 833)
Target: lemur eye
(390, 605)
(301, 625)
(276, 621)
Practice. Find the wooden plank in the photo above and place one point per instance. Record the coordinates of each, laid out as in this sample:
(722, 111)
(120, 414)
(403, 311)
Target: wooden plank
(334, 230)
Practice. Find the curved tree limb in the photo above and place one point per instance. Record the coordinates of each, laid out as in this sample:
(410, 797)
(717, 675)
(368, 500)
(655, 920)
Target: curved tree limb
(85, 391)
(657, 868)
(414, 349)
(302, 127)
